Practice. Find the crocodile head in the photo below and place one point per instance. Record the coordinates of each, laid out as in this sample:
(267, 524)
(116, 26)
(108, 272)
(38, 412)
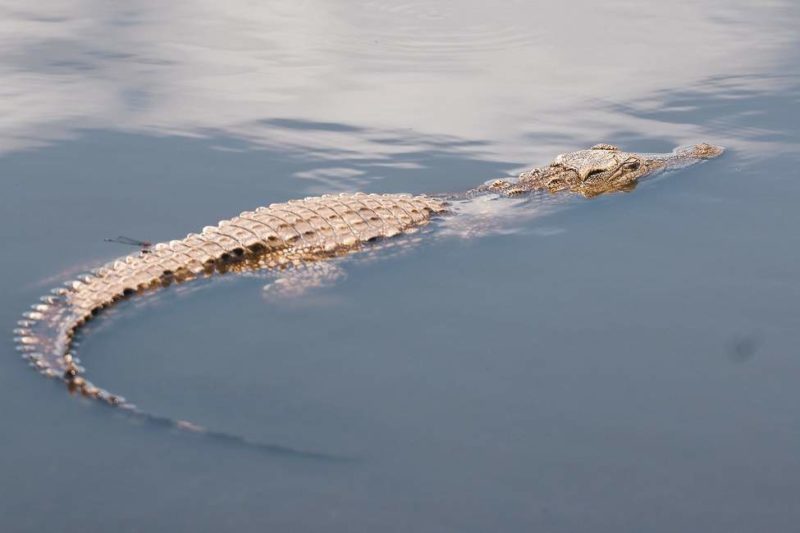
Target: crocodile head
(605, 168)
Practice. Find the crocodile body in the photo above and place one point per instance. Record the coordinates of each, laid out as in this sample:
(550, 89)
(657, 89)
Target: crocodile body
(296, 233)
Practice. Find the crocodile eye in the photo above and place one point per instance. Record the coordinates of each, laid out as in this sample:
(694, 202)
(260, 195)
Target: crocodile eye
(632, 165)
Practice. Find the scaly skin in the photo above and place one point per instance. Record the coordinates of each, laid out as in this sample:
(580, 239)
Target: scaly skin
(294, 233)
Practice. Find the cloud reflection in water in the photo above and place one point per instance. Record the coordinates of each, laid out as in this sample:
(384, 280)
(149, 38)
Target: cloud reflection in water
(461, 70)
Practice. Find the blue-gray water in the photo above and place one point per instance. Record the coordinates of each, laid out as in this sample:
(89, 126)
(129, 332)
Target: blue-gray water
(628, 364)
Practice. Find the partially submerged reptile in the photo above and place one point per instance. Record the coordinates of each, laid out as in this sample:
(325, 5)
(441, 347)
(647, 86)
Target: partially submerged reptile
(297, 233)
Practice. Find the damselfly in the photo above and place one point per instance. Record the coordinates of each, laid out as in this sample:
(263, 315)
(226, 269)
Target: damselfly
(144, 245)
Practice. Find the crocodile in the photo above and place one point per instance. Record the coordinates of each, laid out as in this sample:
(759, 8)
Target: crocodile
(292, 234)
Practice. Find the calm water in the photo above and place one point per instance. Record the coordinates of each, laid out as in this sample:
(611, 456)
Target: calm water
(628, 364)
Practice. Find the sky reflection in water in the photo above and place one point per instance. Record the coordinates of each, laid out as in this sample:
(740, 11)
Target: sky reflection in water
(526, 80)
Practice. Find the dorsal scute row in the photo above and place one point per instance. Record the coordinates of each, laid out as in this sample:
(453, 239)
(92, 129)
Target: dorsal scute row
(317, 225)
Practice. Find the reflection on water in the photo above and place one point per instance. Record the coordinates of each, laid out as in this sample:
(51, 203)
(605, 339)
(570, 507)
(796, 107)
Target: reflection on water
(758, 112)
(445, 68)
(625, 365)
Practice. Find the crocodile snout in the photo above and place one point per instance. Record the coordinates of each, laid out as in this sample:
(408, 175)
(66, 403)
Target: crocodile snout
(707, 151)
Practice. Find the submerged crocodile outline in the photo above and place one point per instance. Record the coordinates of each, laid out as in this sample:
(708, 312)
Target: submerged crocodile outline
(295, 233)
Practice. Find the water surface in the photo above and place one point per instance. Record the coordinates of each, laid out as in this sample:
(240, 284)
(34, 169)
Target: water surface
(626, 364)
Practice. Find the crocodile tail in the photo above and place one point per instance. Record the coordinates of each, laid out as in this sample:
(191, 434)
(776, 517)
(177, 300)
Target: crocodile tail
(44, 338)
(275, 237)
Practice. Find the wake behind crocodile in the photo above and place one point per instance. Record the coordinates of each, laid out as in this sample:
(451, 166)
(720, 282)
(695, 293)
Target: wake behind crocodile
(300, 244)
